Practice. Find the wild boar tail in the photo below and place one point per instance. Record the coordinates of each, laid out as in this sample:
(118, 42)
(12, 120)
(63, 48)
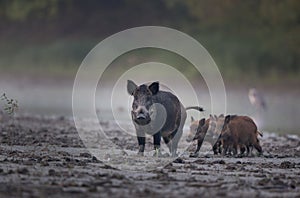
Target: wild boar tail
(261, 135)
(195, 108)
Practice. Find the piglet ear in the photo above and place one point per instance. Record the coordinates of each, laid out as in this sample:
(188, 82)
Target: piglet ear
(131, 87)
(154, 88)
(227, 119)
(202, 122)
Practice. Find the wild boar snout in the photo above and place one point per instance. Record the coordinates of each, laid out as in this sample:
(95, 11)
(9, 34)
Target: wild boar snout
(141, 115)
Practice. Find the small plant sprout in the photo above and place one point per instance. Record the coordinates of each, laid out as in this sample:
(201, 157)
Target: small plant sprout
(10, 106)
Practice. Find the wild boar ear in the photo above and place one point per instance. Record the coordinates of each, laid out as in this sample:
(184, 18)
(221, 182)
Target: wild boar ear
(154, 88)
(131, 87)
(227, 119)
(192, 119)
(202, 122)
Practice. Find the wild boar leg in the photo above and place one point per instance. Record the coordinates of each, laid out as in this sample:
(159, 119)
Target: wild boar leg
(243, 149)
(170, 142)
(216, 147)
(175, 140)
(156, 143)
(248, 150)
(226, 146)
(200, 142)
(258, 147)
(234, 149)
(141, 141)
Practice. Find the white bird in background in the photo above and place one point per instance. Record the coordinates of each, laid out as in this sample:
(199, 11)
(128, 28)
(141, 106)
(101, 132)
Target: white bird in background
(257, 99)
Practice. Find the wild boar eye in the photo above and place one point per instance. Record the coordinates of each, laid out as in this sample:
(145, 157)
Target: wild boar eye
(134, 106)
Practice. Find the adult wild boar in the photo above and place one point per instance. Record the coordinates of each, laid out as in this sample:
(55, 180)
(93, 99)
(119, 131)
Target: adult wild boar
(158, 113)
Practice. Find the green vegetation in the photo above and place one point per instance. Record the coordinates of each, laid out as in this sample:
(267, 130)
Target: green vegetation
(248, 39)
(61, 57)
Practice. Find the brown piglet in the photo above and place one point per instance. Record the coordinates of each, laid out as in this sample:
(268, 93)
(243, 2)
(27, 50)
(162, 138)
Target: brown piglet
(239, 131)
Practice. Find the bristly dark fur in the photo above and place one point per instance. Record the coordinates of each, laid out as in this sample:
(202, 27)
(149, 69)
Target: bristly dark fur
(171, 131)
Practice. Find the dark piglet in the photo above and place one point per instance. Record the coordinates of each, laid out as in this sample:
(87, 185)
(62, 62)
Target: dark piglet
(206, 131)
(200, 135)
(158, 113)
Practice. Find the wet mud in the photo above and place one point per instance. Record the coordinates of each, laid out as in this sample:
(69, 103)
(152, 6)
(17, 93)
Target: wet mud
(45, 157)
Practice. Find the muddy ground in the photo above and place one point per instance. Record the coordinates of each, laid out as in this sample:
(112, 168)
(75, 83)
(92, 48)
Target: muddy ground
(44, 157)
